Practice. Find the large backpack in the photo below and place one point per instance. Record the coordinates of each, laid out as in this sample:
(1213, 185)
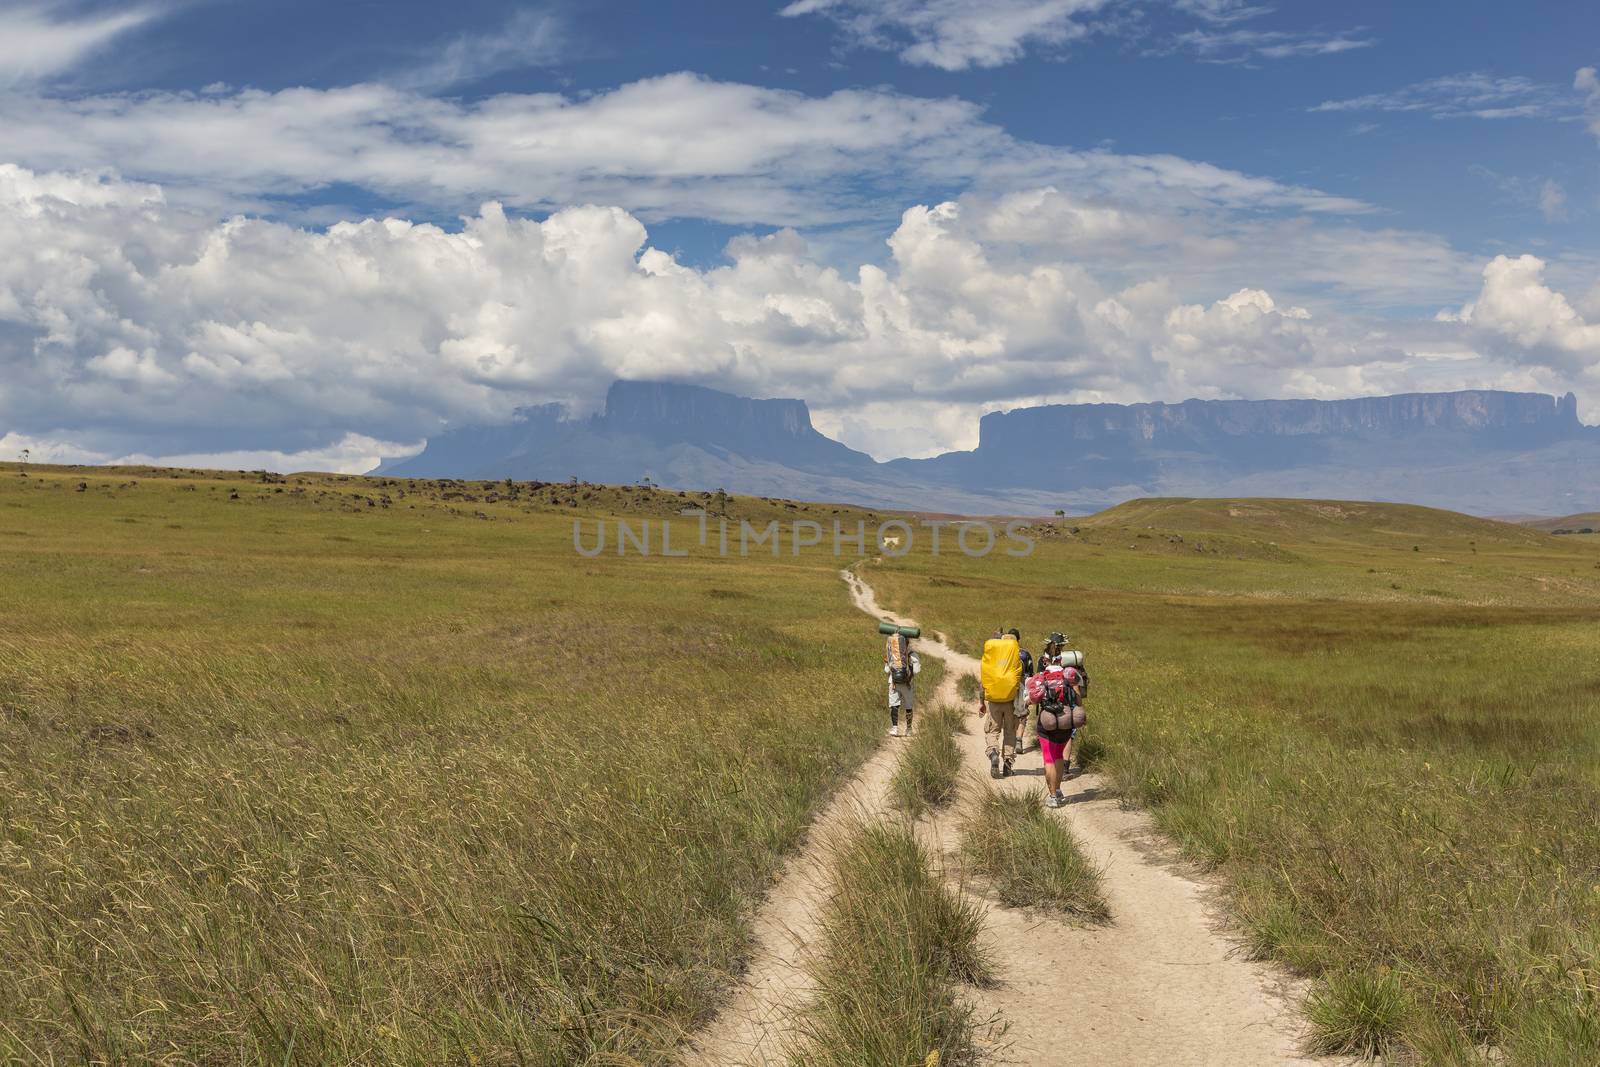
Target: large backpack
(1059, 709)
(1001, 670)
(897, 653)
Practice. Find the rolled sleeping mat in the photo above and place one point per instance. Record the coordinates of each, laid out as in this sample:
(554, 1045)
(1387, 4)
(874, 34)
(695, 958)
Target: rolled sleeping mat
(905, 631)
(1072, 658)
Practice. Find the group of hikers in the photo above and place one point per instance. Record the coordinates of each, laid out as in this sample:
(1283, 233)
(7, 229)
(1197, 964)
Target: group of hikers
(1018, 692)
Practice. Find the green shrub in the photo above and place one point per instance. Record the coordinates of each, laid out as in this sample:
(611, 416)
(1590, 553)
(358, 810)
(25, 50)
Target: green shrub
(1356, 1012)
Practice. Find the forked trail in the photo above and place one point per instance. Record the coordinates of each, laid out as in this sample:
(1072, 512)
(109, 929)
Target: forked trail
(1160, 985)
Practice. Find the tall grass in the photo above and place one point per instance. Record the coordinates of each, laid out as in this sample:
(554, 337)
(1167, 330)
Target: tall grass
(898, 943)
(1389, 755)
(926, 776)
(1030, 857)
(299, 779)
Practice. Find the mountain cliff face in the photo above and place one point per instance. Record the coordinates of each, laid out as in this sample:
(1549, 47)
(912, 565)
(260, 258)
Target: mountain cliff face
(1510, 418)
(1483, 451)
(721, 422)
(668, 432)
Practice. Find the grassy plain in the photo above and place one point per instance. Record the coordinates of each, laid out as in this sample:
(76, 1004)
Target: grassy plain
(1380, 724)
(331, 770)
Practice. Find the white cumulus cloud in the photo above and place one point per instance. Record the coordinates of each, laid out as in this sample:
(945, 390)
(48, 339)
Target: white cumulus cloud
(1539, 323)
(131, 326)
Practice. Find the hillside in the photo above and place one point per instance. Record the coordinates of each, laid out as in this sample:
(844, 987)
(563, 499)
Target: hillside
(1586, 522)
(1310, 521)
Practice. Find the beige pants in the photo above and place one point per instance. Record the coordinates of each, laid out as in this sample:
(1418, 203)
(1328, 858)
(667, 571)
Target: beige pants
(1024, 719)
(1000, 727)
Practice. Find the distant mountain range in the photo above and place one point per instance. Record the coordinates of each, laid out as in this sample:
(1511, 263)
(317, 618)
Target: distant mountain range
(1479, 451)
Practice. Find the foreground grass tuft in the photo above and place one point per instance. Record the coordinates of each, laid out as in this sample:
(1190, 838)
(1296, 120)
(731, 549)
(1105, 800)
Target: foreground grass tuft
(930, 765)
(1357, 1012)
(897, 946)
(1031, 856)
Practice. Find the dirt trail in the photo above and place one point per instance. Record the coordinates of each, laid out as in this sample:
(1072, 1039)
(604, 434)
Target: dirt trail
(1161, 985)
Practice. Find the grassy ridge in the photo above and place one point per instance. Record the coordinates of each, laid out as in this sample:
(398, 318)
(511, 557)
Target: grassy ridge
(1386, 741)
(331, 770)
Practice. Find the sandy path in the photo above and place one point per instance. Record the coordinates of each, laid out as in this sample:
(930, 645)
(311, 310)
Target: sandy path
(1160, 985)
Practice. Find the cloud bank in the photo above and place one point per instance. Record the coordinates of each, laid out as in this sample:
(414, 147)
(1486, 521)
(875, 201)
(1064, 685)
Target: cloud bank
(130, 325)
(676, 146)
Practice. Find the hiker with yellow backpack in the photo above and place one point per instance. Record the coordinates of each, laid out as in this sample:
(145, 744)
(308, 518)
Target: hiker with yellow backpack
(1001, 678)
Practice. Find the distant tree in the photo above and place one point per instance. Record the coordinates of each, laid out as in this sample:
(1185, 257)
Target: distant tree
(1061, 513)
(720, 502)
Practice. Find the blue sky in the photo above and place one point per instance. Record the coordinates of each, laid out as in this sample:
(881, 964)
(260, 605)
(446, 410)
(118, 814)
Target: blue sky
(1008, 203)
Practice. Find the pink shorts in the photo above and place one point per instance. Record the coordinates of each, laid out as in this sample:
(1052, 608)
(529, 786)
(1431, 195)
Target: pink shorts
(1052, 750)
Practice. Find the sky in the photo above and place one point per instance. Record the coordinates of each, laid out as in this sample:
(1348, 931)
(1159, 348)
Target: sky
(306, 235)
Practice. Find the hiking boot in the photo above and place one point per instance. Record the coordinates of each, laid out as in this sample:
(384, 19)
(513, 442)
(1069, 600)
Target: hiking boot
(994, 765)
(894, 731)
(1006, 772)
(1060, 798)
(1054, 800)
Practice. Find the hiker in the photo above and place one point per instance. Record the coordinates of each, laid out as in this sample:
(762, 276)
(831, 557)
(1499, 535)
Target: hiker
(1022, 695)
(1080, 686)
(901, 663)
(1044, 659)
(1001, 677)
(1056, 688)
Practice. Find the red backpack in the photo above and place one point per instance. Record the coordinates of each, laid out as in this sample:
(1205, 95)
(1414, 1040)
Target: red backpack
(1057, 699)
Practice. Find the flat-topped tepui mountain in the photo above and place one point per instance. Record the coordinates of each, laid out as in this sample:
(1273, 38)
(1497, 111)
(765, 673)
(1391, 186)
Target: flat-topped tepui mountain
(1482, 451)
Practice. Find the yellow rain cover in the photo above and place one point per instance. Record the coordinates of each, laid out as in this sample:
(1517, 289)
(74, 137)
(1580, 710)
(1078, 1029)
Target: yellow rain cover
(1002, 669)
